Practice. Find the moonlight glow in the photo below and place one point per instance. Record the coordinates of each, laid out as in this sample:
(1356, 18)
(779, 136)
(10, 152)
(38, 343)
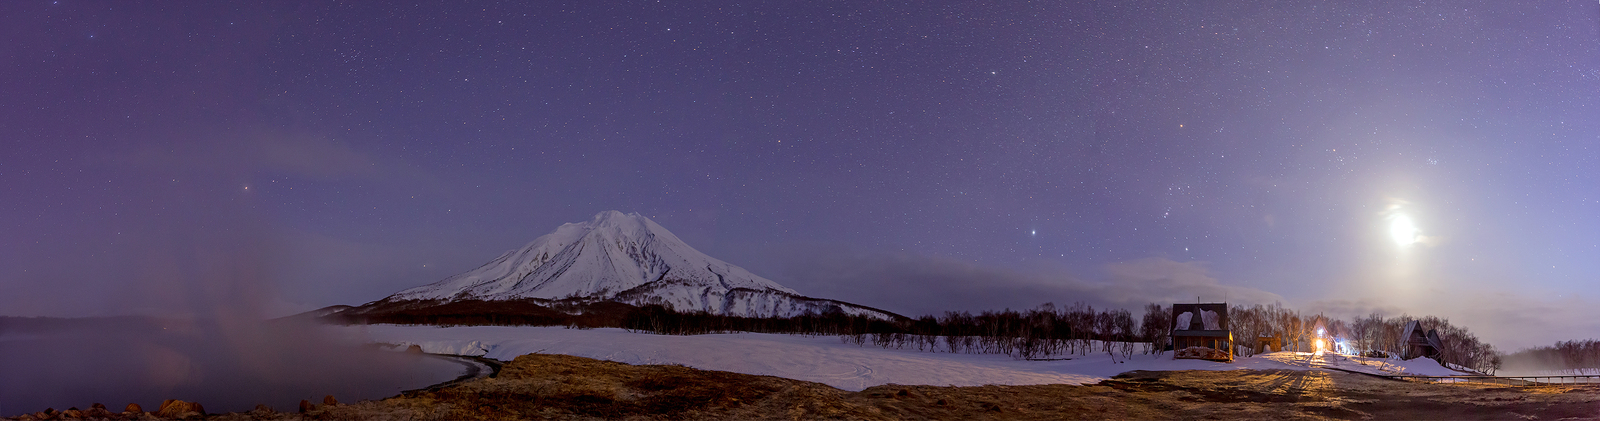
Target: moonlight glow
(1402, 230)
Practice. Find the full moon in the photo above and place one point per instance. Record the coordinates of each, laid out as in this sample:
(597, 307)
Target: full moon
(1402, 230)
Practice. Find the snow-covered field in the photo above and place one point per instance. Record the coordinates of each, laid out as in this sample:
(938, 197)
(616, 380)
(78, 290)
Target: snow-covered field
(822, 359)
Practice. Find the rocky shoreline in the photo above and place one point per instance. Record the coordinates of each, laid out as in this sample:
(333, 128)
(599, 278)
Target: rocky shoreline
(171, 409)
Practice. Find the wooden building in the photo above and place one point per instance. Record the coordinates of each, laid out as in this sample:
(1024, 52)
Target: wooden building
(1200, 331)
(1265, 344)
(1420, 344)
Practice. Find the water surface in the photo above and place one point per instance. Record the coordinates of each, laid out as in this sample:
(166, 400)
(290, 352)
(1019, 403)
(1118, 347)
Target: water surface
(61, 363)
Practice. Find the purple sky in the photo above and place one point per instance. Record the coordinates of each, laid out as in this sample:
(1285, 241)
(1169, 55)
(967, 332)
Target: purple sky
(916, 156)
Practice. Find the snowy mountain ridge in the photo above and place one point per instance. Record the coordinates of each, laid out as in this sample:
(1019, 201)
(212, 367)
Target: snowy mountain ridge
(626, 258)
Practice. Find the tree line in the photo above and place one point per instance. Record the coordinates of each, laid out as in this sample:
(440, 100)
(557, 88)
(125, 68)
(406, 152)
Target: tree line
(1372, 335)
(1042, 332)
(1577, 357)
(1046, 331)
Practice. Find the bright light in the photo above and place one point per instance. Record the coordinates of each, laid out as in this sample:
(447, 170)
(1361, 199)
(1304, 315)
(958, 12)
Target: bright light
(1320, 345)
(1402, 230)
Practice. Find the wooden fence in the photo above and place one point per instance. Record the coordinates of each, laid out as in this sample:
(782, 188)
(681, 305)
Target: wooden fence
(1506, 380)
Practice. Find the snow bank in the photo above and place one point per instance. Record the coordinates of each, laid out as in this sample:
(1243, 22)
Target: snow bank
(823, 359)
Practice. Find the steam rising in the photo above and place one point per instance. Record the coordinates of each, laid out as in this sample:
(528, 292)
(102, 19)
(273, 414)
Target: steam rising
(198, 280)
(62, 363)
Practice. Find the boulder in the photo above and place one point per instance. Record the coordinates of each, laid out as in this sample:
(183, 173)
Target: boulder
(263, 409)
(133, 408)
(173, 408)
(72, 413)
(97, 411)
(414, 349)
(329, 400)
(306, 405)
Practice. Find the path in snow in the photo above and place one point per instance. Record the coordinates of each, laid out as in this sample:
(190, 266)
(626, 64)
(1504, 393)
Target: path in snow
(1379, 366)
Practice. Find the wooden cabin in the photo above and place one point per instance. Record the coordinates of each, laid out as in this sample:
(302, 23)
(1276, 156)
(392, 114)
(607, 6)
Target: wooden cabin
(1420, 344)
(1200, 331)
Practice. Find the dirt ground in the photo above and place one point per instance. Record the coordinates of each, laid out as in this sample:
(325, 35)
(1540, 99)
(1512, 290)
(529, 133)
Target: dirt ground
(558, 387)
(571, 388)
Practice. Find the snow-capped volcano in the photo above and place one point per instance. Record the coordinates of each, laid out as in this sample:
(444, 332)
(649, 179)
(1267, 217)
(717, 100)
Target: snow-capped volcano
(626, 258)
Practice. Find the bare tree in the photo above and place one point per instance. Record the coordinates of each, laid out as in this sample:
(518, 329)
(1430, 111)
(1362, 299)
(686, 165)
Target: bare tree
(1124, 330)
(1105, 324)
(1156, 328)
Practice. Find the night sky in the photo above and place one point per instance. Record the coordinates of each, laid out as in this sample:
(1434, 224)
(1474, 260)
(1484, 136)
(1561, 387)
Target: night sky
(913, 156)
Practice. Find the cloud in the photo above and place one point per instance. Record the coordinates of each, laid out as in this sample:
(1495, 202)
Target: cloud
(305, 156)
(916, 285)
(314, 157)
(1514, 320)
(1166, 281)
(1349, 309)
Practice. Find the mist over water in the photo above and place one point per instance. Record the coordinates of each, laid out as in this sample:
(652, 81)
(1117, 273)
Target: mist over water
(189, 292)
(62, 363)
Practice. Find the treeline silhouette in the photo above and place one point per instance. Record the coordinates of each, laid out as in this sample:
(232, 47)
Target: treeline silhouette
(1042, 332)
(1576, 357)
(1047, 331)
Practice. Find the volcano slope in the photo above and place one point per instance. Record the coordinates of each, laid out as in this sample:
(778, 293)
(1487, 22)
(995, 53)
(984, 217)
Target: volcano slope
(559, 387)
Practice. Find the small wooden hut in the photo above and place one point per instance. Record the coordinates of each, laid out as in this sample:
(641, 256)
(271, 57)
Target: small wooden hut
(1200, 331)
(1265, 343)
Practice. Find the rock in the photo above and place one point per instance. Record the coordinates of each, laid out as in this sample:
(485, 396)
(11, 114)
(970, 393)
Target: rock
(173, 408)
(329, 400)
(414, 349)
(263, 409)
(72, 413)
(306, 405)
(133, 408)
(97, 411)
